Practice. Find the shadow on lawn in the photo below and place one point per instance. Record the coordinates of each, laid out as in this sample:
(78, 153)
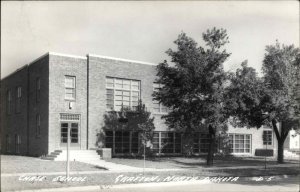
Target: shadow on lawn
(101, 168)
(229, 161)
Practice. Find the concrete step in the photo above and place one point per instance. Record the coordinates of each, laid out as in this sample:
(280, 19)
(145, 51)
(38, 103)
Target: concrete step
(79, 155)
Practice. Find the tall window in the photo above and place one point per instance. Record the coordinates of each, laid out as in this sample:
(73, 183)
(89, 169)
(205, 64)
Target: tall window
(267, 137)
(18, 143)
(166, 142)
(8, 102)
(38, 125)
(122, 142)
(122, 93)
(201, 143)
(70, 87)
(18, 99)
(240, 143)
(38, 89)
(7, 143)
(158, 107)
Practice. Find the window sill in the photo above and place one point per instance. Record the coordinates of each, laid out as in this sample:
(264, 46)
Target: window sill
(160, 113)
(73, 100)
(241, 153)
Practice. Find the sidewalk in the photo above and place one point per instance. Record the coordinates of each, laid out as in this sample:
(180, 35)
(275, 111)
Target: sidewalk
(117, 168)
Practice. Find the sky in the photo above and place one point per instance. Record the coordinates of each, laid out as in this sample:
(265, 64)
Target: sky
(141, 30)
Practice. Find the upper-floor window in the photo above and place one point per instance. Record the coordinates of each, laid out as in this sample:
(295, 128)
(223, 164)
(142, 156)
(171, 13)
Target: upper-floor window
(267, 137)
(122, 93)
(38, 125)
(18, 99)
(8, 102)
(157, 106)
(38, 89)
(70, 87)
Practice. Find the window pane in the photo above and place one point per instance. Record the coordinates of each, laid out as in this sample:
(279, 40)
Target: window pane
(70, 81)
(119, 97)
(135, 94)
(135, 85)
(126, 93)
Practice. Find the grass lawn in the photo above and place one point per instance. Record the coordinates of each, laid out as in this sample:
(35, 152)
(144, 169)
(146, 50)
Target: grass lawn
(22, 164)
(191, 167)
(195, 162)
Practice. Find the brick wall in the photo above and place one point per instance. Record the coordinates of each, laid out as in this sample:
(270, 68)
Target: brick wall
(99, 68)
(59, 66)
(16, 122)
(38, 145)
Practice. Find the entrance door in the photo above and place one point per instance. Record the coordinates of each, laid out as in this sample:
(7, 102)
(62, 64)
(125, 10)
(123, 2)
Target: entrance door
(74, 133)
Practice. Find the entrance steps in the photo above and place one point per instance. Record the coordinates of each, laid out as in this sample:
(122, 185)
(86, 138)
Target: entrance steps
(74, 155)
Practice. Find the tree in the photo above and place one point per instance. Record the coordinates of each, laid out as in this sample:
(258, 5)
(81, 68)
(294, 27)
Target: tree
(193, 85)
(272, 99)
(138, 120)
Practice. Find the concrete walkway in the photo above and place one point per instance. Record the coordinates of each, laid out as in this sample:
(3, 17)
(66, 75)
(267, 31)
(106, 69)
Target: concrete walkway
(114, 166)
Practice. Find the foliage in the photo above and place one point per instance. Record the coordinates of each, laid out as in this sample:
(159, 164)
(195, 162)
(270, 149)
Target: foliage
(138, 119)
(245, 98)
(281, 69)
(271, 99)
(255, 101)
(193, 87)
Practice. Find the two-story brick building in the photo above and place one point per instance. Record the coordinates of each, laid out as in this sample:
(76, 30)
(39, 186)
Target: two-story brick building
(55, 92)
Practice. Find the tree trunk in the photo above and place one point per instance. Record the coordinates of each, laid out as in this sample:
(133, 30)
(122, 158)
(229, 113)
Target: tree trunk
(211, 149)
(281, 136)
(280, 152)
(212, 139)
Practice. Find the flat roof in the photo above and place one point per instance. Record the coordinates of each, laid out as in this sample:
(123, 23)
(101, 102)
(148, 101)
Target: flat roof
(80, 57)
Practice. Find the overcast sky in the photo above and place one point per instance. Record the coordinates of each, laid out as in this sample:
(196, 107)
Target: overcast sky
(141, 30)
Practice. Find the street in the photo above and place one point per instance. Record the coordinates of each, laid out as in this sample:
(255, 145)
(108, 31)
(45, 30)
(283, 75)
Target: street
(251, 184)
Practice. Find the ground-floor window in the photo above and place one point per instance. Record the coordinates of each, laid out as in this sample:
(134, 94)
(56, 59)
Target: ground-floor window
(166, 142)
(122, 142)
(201, 142)
(267, 137)
(240, 143)
(17, 143)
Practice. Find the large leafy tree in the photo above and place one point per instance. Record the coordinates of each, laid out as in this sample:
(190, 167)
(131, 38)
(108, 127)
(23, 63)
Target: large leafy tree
(128, 119)
(193, 85)
(272, 100)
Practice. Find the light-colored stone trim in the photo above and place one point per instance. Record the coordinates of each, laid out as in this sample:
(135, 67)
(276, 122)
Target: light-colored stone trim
(119, 59)
(67, 55)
